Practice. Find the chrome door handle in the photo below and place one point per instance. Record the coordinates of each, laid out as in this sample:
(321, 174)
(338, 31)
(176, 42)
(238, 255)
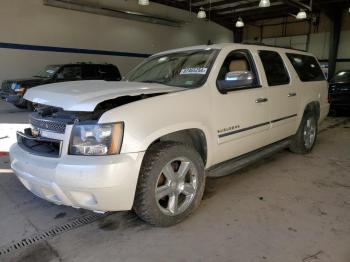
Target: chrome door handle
(261, 100)
(292, 94)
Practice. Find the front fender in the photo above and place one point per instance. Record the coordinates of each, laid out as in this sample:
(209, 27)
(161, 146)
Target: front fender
(149, 119)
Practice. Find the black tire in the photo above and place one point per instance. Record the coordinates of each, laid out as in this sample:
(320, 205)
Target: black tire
(146, 206)
(30, 106)
(298, 144)
(22, 104)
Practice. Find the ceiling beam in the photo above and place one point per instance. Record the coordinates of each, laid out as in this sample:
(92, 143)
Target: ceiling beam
(246, 7)
(220, 3)
(298, 4)
(258, 12)
(185, 6)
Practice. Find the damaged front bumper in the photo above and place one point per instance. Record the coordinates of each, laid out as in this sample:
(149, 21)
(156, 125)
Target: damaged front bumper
(102, 183)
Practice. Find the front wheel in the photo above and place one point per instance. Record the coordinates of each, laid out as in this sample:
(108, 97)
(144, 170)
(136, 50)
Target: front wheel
(21, 103)
(171, 184)
(305, 138)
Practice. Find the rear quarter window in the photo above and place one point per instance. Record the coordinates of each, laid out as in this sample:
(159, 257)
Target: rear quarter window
(306, 67)
(275, 70)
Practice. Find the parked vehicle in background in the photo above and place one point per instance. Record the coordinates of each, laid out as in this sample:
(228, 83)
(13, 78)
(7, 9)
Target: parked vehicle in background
(339, 92)
(13, 91)
(150, 142)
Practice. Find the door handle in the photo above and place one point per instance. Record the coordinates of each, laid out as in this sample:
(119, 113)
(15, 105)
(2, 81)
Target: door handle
(292, 94)
(261, 100)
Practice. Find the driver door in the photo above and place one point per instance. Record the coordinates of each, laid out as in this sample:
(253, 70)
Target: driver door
(241, 114)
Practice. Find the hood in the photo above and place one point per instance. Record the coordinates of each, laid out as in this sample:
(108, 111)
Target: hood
(86, 95)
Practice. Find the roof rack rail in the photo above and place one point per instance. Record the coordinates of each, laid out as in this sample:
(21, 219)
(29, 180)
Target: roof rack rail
(262, 44)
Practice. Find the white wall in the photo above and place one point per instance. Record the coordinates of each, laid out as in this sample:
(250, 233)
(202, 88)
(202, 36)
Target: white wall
(30, 22)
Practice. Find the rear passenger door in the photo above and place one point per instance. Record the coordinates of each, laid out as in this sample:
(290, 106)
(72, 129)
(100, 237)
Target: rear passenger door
(282, 95)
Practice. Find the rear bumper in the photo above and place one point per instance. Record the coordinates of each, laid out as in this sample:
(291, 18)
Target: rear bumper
(103, 183)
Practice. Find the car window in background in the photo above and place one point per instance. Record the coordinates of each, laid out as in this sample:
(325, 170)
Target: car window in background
(90, 72)
(306, 67)
(275, 70)
(48, 72)
(184, 69)
(341, 77)
(109, 72)
(69, 73)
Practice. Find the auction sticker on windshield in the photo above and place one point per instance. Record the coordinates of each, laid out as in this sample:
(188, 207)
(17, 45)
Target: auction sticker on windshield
(194, 71)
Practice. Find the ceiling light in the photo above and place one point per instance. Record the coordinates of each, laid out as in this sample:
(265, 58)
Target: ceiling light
(201, 13)
(239, 22)
(301, 15)
(264, 3)
(143, 2)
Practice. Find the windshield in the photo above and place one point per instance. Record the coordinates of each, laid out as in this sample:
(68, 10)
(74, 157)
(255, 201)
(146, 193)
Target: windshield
(342, 77)
(48, 72)
(184, 69)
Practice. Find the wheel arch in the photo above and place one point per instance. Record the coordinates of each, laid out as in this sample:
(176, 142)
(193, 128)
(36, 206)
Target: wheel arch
(195, 137)
(313, 106)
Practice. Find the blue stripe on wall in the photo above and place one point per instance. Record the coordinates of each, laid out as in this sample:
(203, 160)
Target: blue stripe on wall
(70, 50)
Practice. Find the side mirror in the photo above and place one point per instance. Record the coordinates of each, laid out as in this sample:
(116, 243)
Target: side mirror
(236, 80)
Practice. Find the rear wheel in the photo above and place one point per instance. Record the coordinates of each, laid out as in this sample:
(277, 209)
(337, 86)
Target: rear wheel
(170, 185)
(305, 138)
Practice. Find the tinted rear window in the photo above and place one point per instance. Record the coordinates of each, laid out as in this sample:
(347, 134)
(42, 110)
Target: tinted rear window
(276, 73)
(306, 67)
(109, 72)
(342, 77)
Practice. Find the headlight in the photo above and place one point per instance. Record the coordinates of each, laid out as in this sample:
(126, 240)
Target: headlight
(97, 139)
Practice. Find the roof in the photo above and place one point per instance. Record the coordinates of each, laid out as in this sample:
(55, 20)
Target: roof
(236, 45)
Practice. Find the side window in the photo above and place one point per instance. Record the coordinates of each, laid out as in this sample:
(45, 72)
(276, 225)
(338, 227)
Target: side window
(237, 72)
(275, 70)
(306, 67)
(90, 72)
(69, 73)
(109, 72)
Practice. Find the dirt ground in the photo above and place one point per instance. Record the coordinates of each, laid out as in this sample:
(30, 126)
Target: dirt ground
(286, 208)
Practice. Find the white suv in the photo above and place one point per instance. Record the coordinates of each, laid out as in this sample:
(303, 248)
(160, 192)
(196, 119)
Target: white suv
(148, 143)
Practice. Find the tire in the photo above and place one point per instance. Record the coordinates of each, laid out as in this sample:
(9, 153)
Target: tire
(30, 106)
(22, 104)
(305, 138)
(160, 184)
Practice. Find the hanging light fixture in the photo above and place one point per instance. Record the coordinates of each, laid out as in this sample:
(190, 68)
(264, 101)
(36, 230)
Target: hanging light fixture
(143, 2)
(301, 15)
(264, 3)
(201, 13)
(239, 22)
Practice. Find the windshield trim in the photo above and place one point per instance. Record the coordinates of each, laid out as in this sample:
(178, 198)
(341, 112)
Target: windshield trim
(216, 52)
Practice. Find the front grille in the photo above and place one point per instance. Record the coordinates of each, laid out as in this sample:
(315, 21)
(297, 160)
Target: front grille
(41, 146)
(48, 124)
